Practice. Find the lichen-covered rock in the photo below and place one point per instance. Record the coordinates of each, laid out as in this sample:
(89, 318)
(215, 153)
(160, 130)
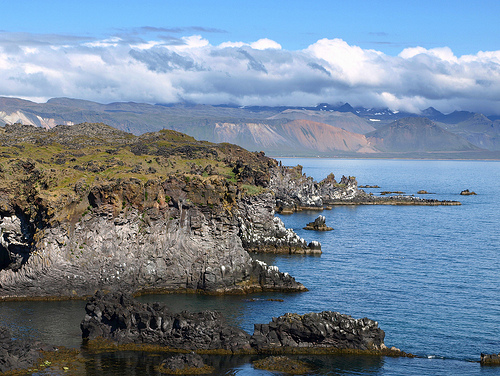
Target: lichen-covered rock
(294, 191)
(261, 231)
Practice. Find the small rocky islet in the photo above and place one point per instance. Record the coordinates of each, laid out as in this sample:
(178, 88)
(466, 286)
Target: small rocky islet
(86, 208)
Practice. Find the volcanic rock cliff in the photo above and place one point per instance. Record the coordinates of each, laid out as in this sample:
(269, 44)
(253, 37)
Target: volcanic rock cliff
(88, 207)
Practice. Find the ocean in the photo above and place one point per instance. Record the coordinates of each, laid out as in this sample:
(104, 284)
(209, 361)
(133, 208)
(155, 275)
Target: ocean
(429, 275)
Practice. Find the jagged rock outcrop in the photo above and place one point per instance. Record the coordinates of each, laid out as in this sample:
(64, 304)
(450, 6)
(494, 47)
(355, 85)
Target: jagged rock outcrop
(318, 330)
(295, 191)
(261, 231)
(143, 237)
(319, 224)
(122, 320)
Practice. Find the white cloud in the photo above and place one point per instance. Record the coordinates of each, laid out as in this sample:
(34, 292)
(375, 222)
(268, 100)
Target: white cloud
(265, 44)
(260, 72)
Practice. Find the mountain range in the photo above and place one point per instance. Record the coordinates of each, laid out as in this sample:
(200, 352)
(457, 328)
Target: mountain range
(322, 130)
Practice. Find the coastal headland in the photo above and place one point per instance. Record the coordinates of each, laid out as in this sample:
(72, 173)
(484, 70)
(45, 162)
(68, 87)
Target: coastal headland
(88, 208)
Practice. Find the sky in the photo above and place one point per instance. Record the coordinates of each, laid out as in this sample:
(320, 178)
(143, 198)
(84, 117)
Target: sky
(404, 55)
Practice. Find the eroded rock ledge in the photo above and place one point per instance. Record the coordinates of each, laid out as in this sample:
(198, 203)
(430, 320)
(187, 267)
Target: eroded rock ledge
(118, 318)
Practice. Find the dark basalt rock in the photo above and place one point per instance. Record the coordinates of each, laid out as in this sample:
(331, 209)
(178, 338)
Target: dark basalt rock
(121, 319)
(318, 331)
(318, 225)
(17, 354)
(185, 364)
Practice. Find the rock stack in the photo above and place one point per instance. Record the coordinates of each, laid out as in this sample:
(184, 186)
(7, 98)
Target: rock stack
(318, 225)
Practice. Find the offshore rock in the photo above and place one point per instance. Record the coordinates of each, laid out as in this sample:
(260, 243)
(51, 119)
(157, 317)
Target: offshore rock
(490, 359)
(319, 224)
(325, 330)
(119, 318)
(466, 192)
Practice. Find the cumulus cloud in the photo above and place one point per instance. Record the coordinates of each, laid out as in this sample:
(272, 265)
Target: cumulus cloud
(171, 69)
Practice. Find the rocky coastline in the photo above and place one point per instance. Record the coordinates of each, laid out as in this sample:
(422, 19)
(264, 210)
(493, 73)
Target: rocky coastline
(179, 226)
(121, 320)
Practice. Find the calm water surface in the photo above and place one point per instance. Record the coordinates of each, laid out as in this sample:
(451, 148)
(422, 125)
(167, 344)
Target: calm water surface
(428, 275)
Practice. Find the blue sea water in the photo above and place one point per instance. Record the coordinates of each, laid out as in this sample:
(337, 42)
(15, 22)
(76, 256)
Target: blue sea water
(428, 274)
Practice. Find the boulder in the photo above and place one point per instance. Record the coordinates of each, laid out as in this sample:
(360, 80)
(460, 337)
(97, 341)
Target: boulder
(318, 225)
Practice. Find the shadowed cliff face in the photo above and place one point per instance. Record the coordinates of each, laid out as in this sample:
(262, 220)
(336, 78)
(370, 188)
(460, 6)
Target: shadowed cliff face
(160, 212)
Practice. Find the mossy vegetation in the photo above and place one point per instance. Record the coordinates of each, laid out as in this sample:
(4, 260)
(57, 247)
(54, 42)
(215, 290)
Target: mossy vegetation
(58, 168)
(283, 364)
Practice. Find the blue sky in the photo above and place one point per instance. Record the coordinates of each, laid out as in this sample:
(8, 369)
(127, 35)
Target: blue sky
(389, 26)
(401, 54)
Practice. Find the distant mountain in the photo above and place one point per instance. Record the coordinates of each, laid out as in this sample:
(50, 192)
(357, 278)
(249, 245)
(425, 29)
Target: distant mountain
(417, 135)
(282, 130)
(344, 120)
(477, 129)
(297, 137)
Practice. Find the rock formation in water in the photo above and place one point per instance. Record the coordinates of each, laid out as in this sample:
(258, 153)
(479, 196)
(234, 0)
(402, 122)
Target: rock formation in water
(466, 192)
(490, 359)
(318, 330)
(295, 192)
(122, 320)
(319, 224)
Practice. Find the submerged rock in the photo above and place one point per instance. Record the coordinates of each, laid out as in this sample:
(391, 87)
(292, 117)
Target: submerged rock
(18, 354)
(185, 364)
(318, 224)
(282, 364)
